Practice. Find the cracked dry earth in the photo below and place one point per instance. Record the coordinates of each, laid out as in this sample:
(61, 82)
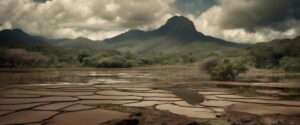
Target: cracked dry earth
(135, 103)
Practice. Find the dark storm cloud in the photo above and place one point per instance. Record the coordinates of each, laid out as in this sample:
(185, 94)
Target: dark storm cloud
(95, 19)
(253, 15)
(41, 1)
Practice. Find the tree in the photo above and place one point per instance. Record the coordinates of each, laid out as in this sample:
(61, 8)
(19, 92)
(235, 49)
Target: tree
(209, 63)
(21, 58)
(82, 55)
(226, 70)
(290, 64)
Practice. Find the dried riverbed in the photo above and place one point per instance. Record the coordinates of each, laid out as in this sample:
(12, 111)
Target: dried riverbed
(140, 96)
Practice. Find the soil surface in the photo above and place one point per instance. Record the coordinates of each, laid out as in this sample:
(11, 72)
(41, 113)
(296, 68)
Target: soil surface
(105, 101)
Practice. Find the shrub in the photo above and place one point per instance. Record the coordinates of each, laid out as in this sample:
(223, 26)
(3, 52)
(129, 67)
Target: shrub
(225, 70)
(114, 62)
(82, 55)
(209, 63)
(290, 64)
(21, 58)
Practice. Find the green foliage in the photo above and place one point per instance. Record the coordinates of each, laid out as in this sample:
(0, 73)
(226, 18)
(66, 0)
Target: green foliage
(171, 59)
(103, 58)
(271, 54)
(21, 58)
(82, 55)
(110, 59)
(114, 62)
(209, 63)
(58, 57)
(290, 64)
(225, 70)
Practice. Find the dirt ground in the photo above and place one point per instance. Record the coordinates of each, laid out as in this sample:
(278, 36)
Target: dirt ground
(115, 98)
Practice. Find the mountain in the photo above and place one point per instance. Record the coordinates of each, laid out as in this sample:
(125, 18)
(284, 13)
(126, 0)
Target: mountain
(79, 43)
(177, 35)
(18, 38)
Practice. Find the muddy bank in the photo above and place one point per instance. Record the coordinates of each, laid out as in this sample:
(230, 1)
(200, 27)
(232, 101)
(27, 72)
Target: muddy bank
(248, 114)
(148, 116)
(122, 97)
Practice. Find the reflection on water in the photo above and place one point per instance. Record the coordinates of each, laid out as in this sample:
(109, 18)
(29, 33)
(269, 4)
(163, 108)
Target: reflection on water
(131, 75)
(74, 76)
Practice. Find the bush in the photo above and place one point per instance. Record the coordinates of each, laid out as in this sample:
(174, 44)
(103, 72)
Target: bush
(290, 64)
(209, 63)
(21, 58)
(225, 71)
(114, 62)
(82, 55)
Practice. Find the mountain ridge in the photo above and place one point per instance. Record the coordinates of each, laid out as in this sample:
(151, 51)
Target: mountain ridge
(178, 34)
(186, 32)
(177, 31)
(18, 38)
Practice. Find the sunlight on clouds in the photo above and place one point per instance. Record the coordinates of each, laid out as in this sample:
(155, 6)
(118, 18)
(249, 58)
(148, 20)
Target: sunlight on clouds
(69, 18)
(212, 23)
(111, 7)
(232, 20)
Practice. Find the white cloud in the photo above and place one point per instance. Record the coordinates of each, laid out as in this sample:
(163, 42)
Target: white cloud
(100, 19)
(240, 29)
(95, 19)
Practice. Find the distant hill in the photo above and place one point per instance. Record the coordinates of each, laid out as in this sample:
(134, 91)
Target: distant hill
(78, 43)
(18, 38)
(284, 53)
(177, 35)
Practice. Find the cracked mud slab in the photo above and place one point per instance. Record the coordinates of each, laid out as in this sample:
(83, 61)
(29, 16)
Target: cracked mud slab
(245, 118)
(19, 107)
(187, 111)
(106, 97)
(218, 103)
(146, 103)
(27, 116)
(122, 93)
(112, 101)
(87, 117)
(162, 99)
(274, 102)
(3, 112)
(54, 106)
(99, 102)
(78, 107)
(35, 100)
(185, 104)
(260, 109)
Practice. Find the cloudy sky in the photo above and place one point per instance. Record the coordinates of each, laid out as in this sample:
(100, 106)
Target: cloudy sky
(243, 21)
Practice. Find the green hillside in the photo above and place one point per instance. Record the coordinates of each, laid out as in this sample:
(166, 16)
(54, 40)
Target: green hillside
(283, 54)
(177, 35)
(168, 45)
(78, 43)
